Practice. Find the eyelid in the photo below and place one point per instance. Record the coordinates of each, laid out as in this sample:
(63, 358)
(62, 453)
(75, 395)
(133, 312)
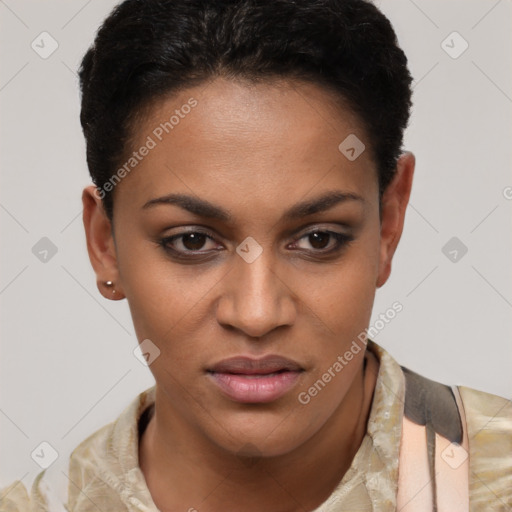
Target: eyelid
(342, 239)
(295, 233)
(177, 236)
(315, 226)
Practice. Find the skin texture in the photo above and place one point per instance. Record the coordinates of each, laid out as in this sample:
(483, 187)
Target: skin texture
(255, 150)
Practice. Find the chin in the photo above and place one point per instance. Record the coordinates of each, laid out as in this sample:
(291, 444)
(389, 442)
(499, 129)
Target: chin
(250, 437)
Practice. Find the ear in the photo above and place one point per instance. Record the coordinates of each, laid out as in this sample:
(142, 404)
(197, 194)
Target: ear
(394, 203)
(100, 244)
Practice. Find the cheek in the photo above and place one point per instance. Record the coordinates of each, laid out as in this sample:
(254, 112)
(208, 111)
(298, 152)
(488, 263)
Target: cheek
(162, 296)
(343, 297)
(167, 305)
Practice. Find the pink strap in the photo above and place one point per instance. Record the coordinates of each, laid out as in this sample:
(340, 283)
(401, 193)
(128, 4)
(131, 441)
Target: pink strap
(415, 486)
(452, 468)
(415, 492)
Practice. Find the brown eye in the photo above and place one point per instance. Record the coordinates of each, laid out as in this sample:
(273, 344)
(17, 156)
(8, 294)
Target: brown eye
(188, 243)
(324, 242)
(193, 241)
(319, 239)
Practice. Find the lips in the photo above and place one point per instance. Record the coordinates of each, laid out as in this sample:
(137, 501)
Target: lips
(248, 380)
(248, 366)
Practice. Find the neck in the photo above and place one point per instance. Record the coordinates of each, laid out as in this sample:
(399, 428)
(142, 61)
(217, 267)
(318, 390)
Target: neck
(210, 479)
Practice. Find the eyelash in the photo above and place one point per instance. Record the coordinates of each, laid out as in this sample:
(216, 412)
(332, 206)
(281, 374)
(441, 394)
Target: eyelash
(341, 241)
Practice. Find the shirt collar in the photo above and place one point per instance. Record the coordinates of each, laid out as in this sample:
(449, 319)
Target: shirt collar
(374, 467)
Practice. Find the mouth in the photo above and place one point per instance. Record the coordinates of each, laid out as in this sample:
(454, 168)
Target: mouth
(248, 380)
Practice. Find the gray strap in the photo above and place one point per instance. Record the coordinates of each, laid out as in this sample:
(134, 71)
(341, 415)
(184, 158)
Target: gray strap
(430, 403)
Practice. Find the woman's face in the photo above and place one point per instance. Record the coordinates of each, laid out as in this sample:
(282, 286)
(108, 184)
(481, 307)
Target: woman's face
(233, 267)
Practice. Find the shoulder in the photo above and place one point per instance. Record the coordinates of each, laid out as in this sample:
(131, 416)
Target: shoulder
(489, 424)
(87, 490)
(102, 471)
(14, 498)
(91, 465)
(487, 412)
(93, 447)
(82, 475)
(116, 443)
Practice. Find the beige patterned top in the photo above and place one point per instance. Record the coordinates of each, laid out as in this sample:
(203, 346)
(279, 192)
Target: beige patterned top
(103, 472)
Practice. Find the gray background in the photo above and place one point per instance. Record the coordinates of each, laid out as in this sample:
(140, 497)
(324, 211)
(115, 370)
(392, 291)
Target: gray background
(66, 362)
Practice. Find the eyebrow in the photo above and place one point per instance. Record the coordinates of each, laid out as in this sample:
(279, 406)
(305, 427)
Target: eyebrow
(205, 209)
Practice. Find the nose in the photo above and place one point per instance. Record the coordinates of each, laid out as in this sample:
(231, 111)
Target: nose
(256, 297)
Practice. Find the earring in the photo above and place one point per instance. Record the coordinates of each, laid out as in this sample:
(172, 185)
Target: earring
(110, 284)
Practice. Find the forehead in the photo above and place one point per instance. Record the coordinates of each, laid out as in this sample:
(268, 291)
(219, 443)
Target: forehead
(229, 141)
